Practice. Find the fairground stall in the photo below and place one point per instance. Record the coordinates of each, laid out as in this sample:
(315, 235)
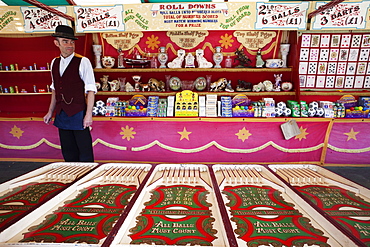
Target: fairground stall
(213, 123)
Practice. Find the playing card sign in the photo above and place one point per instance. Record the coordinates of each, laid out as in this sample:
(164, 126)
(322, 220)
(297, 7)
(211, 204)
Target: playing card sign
(334, 60)
(282, 15)
(343, 15)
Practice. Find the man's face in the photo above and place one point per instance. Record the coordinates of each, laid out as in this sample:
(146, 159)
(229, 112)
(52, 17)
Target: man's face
(66, 46)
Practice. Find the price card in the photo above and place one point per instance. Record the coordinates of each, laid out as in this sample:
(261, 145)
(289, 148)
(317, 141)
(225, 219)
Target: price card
(350, 15)
(281, 15)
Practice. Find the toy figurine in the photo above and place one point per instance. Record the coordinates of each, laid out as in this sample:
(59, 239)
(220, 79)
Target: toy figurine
(108, 62)
(259, 60)
(268, 85)
(122, 82)
(177, 62)
(244, 86)
(243, 59)
(218, 85)
(277, 85)
(259, 87)
(156, 85)
(114, 85)
(129, 87)
(144, 86)
(229, 87)
(202, 61)
(104, 80)
(189, 61)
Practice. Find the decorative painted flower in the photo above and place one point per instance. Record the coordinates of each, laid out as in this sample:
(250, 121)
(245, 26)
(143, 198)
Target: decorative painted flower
(153, 42)
(16, 132)
(128, 133)
(226, 41)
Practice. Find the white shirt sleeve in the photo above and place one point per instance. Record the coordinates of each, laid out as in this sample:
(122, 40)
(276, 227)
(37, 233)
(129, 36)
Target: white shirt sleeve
(51, 74)
(87, 75)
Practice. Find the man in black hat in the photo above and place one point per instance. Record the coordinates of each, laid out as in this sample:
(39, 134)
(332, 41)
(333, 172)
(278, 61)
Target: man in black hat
(73, 93)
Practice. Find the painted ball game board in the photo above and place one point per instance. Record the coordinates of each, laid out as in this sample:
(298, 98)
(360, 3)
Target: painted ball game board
(20, 195)
(127, 205)
(176, 208)
(263, 212)
(344, 201)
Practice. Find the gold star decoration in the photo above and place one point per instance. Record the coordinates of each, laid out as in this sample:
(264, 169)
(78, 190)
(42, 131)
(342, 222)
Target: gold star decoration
(302, 135)
(16, 132)
(351, 135)
(243, 134)
(128, 133)
(184, 134)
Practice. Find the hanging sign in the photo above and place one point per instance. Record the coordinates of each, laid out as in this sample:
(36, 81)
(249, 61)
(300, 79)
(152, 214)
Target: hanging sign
(254, 39)
(11, 20)
(187, 39)
(40, 20)
(189, 16)
(123, 41)
(98, 19)
(281, 15)
(341, 16)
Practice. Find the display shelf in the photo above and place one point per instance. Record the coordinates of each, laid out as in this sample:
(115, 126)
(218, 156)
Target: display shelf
(23, 94)
(336, 93)
(165, 94)
(24, 71)
(209, 70)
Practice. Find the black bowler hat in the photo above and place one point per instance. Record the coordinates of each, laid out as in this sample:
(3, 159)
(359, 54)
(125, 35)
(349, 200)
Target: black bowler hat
(63, 31)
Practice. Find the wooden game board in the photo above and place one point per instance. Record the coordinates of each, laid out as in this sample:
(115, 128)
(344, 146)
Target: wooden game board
(263, 212)
(19, 196)
(126, 205)
(176, 208)
(344, 201)
(87, 211)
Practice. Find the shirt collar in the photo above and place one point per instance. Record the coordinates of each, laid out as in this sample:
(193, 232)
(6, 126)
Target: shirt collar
(67, 59)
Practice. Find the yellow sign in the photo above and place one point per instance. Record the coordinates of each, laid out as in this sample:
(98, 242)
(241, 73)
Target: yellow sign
(254, 39)
(11, 20)
(123, 41)
(187, 39)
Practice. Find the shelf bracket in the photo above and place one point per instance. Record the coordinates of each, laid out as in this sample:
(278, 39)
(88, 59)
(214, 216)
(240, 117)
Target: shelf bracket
(50, 9)
(324, 7)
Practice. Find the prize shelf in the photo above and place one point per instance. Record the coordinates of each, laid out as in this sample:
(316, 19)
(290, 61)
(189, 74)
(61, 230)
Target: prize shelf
(24, 71)
(209, 70)
(353, 92)
(191, 71)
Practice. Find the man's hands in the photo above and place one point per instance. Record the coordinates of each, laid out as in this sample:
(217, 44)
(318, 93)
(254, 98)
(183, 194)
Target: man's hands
(88, 120)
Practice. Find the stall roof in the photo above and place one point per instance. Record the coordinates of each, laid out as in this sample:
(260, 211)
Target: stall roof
(46, 2)
(94, 2)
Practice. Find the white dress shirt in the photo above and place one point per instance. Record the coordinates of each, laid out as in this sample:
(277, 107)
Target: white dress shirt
(85, 70)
